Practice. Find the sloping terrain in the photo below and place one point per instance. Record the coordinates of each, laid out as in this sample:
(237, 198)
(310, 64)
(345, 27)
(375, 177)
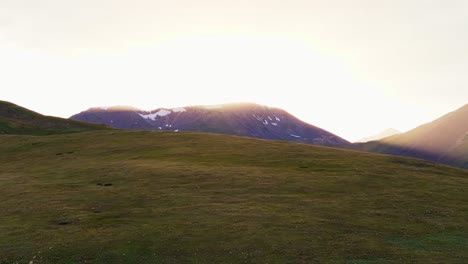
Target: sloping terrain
(15, 119)
(386, 133)
(164, 197)
(444, 140)
(245, 119)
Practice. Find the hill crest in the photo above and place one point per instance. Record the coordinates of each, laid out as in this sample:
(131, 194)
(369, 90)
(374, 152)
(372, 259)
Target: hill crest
(15, 119)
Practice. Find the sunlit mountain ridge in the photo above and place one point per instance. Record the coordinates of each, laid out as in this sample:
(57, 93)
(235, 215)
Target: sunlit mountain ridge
(386, 133)
(444, 140)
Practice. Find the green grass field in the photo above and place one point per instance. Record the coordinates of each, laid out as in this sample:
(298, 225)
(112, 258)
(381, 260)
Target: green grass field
(160, 197)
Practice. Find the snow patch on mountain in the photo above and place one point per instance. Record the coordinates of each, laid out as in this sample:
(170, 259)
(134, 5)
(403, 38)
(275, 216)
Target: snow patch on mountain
(162, 112)
(258, 118)
(268, 120)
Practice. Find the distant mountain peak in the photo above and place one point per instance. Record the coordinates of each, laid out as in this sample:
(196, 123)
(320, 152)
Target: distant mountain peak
(386, 133)
(242, 119)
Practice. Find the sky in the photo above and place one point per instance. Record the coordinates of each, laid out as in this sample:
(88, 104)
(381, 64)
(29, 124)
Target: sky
(353, 68)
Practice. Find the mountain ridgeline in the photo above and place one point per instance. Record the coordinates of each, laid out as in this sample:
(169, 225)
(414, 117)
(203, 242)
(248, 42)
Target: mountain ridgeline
(445, 140)
(386, 133)
(18, 120)
(245, 119)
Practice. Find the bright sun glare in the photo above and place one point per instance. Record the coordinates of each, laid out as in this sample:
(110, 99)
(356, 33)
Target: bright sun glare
(353, 69)
(210, 70)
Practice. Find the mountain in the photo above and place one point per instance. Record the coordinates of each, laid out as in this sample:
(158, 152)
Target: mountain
(386, 133)
(15, 119)
(445, 140)
(243, 119)
(145, 197)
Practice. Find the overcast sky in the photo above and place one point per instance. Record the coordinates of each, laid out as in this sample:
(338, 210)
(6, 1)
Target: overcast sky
(351, 67)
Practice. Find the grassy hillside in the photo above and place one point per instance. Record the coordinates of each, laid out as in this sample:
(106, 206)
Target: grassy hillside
(161, 197)
(15, 119)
